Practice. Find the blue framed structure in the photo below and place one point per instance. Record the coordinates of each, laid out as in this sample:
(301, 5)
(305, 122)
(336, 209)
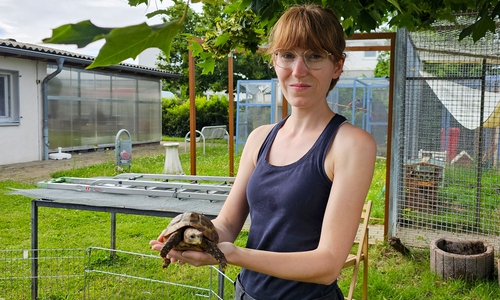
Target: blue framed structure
(363, 101)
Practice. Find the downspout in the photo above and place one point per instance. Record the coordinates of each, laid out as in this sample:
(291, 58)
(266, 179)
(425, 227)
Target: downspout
(45, 100)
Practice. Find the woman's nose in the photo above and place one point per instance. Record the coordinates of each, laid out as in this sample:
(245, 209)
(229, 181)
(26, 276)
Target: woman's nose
(299, 67)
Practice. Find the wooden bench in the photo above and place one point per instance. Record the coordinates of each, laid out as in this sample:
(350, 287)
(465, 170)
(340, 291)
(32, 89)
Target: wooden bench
(211, 133)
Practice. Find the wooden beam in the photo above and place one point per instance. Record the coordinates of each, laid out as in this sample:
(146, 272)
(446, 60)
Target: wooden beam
(231, 113)
(192, 111)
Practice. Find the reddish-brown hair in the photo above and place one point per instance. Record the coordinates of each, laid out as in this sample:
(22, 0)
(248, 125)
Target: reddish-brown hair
(309, 27)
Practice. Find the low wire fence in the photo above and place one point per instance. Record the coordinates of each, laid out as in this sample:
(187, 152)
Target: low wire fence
(100, 273)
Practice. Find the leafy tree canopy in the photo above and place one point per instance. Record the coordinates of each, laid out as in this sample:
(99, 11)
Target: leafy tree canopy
(245, 64)
(248, 21)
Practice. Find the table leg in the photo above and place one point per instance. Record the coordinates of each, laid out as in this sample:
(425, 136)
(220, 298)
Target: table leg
(34, 250)
(221, 283)
(113, 233)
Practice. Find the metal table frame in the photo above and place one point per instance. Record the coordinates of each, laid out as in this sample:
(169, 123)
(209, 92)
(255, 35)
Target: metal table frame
(113, 210)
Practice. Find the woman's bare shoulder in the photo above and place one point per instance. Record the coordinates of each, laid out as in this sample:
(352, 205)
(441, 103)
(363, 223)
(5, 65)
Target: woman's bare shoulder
(352, 141)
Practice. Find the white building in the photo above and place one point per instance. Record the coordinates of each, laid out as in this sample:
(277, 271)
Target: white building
(362, 63)
(48, 100)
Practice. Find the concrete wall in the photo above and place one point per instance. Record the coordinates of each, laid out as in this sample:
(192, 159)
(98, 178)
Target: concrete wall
(357, 65)
(23, 142)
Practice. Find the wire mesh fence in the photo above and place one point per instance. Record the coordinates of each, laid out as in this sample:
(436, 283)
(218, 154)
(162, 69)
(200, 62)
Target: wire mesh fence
(100, 273)
(60, 274)
(447, 131)
(113, 274)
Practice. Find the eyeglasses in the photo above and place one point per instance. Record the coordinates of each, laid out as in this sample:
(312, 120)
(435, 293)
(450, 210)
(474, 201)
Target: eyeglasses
(314, 60)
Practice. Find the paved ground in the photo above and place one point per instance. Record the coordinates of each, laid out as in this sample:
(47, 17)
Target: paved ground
(33, 172)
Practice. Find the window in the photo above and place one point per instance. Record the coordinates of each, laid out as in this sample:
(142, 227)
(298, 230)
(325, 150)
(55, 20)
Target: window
(9, 97)
(370, 54)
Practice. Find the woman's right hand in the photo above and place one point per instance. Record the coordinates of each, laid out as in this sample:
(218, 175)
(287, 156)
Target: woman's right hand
(159, 242)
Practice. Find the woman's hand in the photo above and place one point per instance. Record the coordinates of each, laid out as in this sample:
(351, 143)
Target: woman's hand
(195, 258)
(198, 258)
(156, 244)
(159, 242)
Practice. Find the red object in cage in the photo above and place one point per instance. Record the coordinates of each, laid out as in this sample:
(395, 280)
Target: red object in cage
(449, 142)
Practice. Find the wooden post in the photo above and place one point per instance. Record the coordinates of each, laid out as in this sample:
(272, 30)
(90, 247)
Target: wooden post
(192, 111)
(231, 113)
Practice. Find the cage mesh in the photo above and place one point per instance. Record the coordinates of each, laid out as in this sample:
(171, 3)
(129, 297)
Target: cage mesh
(60, 274)
(447, 132)
(99, 273)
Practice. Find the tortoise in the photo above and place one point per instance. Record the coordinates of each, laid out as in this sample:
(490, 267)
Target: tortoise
(192, 231)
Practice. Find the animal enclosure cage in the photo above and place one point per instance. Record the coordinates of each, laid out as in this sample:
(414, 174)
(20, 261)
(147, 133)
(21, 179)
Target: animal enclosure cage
(445, 152)
(363, 101)
(98, 273)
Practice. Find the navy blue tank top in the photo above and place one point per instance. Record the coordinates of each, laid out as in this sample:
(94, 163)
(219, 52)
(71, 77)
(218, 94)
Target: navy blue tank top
(287, 205)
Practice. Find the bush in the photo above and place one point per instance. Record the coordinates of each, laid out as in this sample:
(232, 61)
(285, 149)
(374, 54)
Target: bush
(175, 114)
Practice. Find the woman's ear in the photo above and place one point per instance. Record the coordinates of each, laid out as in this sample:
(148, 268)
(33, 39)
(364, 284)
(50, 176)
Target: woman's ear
(339, 68)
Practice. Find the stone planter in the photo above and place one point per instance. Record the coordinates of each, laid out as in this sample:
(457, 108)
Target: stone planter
(468, 260)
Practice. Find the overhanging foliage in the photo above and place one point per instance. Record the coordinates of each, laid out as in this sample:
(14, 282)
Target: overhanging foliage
(250, 20)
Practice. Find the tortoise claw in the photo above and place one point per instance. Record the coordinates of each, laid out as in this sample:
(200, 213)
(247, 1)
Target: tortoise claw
(166, 263)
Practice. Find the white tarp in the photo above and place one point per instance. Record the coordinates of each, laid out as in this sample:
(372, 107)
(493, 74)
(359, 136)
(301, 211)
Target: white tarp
(464, 102)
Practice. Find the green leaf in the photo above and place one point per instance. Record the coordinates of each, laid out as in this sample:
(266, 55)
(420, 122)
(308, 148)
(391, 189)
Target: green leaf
(403, 20)
(211, 2)
(130, 41)
(466, 32)
(496, 11)
(207, 65)
(352, 9)
(196, 48)
(157, 12)
(222, 39)
(81, 34)
(396, 4)
(366, 21)
(482, 26)
(137, 2)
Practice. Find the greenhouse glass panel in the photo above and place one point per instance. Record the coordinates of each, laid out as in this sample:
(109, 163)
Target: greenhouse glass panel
(88, 108)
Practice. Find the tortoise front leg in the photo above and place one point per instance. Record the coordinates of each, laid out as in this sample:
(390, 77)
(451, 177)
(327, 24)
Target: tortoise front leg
(174, 239)
(212, 249)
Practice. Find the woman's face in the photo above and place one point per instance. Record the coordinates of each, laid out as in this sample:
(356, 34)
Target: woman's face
(305, 75)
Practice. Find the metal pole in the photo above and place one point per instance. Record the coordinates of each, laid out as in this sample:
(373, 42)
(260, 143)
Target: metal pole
(34, 250)
(220, 284)
(480, 146)
(113, 234)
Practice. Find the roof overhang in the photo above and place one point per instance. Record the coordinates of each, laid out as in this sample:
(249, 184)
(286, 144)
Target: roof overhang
(10, 48)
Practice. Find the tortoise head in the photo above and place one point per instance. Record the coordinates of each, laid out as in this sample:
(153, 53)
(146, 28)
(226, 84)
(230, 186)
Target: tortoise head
(193, 236)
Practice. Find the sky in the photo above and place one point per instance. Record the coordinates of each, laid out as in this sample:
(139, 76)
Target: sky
(30, 21)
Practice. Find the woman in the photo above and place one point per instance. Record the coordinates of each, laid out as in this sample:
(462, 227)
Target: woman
(303, 180)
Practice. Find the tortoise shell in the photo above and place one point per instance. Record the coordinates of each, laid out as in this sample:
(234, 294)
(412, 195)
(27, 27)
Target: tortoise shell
(195, 220)
(192, 231)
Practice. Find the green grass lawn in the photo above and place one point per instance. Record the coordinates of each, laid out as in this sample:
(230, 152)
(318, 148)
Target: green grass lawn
(391, 275)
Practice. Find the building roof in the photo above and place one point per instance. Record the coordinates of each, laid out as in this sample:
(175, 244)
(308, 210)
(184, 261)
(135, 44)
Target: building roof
(12, 48)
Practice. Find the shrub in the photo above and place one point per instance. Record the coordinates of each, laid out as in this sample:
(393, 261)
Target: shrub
(175, 114)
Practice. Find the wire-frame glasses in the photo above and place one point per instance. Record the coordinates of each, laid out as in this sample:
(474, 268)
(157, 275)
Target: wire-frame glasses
(314, 60)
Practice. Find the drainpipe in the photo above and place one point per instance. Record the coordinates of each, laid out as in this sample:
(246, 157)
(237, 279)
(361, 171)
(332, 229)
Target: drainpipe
(45, 100)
